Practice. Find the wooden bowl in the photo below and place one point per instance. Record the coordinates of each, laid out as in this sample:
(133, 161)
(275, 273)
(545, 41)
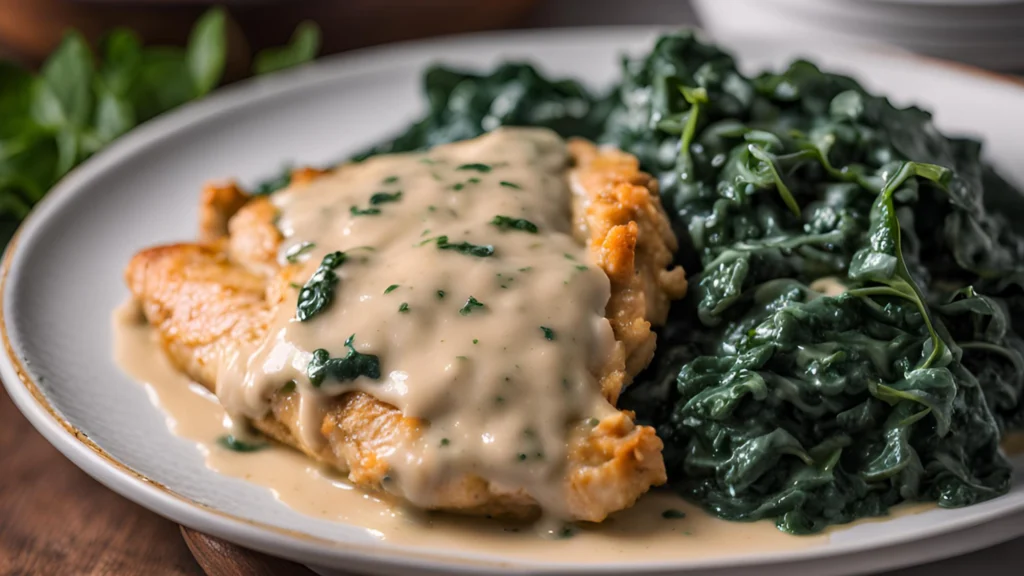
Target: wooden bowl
(30, 29)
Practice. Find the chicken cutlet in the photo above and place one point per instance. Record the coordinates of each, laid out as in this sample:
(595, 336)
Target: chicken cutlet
(449, 328)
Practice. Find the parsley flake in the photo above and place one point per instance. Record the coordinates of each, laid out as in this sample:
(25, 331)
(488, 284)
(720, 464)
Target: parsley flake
(470, 305)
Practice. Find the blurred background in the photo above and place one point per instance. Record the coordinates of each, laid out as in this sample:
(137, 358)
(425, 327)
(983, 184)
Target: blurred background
(988, 33)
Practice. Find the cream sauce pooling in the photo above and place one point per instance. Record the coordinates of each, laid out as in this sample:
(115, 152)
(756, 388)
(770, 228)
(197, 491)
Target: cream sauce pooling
(638, 534)
(498, 353)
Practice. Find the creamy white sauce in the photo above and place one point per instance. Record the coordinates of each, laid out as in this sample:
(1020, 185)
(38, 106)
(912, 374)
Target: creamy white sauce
(829, 286)
(501, 385)
(637, 534)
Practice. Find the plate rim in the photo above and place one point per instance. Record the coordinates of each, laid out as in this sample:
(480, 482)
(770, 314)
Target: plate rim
(302, 546)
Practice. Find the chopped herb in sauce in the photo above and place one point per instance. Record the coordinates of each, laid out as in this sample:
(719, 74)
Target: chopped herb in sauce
(289, 387)
(581, 267)
(457, 186)
(390, 289)
(511, 185)
(296, 251)
(318, 292)
(509, 223)
(526, 269)
(403, 307)
(357, 211)
(549, 334)
(476, 341)
(593, 421)
(390, 180)
(295, 285)
(470, 305)
(234, 444)
(385, 197)
(473, 180)
(569, 256)
(673, 514)
(445, 442)
(352, 366)
(440, 294)
(484, 168)
(478, 250)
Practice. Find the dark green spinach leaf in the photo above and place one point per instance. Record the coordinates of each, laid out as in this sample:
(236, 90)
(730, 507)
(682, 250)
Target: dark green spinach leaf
(318, 292)
(353, 365)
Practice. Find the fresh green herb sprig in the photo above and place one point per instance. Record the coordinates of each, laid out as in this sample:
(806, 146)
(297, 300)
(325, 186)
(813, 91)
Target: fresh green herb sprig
(81, 101)
(303, 47)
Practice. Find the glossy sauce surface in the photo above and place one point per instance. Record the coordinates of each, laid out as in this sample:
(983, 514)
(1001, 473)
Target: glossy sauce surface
(641, 532)
(457, 272)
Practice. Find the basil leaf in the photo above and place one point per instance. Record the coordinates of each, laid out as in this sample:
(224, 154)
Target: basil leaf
(303, 47)
(164, 82)
(122, 58)
(114, 116)
(67, 150)
(16, 93)
(206, 52)
(28, 167)
(67, 75)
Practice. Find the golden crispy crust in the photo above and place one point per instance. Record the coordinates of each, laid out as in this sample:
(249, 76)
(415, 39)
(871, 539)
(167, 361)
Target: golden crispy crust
(217, 204)
(618, 212)
(202, 299)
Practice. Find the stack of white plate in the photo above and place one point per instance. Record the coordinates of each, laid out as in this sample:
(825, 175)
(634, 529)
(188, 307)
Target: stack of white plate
(988, 33)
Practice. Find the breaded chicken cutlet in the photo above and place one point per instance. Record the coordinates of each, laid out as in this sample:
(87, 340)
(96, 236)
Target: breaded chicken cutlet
(219, 301)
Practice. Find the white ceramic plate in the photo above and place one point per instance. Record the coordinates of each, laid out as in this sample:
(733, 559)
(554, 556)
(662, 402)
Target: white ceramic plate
(62, 278)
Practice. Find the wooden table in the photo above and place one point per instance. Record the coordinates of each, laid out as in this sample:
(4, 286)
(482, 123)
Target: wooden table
(55, 519)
